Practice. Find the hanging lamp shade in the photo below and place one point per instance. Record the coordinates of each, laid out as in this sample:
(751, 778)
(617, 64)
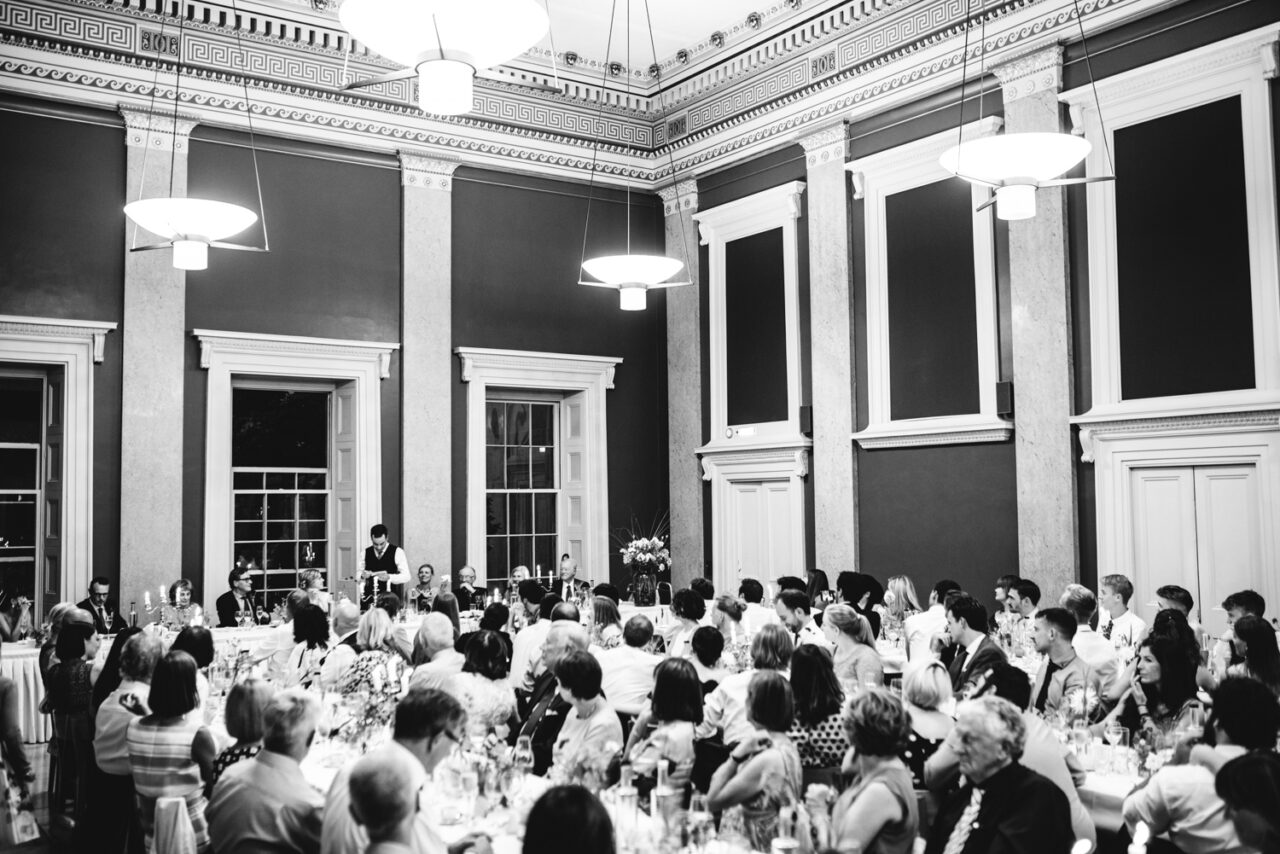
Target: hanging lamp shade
(190, 225)
(446, 41)
(1015, 165)
(633, 275)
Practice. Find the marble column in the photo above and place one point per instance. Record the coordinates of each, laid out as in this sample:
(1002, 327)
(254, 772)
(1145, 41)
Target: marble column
(426, 361)
(684, 386)
(154, 346)
(1048, 546)
(835, 490)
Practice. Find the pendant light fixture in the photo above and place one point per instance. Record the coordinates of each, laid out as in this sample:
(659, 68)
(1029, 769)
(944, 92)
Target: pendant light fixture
(444, 43)
(633, 275)
(190, 226)
(1015, 165)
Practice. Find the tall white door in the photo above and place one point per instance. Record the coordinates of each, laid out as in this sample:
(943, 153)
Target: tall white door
(573, 487)
(1197, 527)
(763, 541)
(342, 468)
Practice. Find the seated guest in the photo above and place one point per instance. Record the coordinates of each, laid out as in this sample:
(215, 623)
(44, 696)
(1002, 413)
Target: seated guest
(113, 819)
(818, 732)
(1161, 693)
(1004, 807)
(433, 652)
(526, 646)
(311, 582)
(390, 603)
(70, 699)
(1042, 752)
(1063, 676)
(424, 593)
(607, 589)
(449, 605)
(757, 614)
(856, 660)
(1098, 653)
(1250, 787)
(864, 593)
(762, 773)
(628, 669)
(792, 582)
(429, 725)
(919, 629)
(1237, 605)
(706, 654)
(972, 650)
(726, 618)
(379, 667)
(569, 587)
(1173, 597)
(568, 818)
(926, 689)
(179, 611)
(384, 801)
(1179, 800)
(106, 614)
(108, 678)
(57, 616)
(793, 612)
(274, 650)
(265, 803)
(467, 596)
(197, 642)
(900, 601)
(1172, 623)
(246, 705)
(565, 611)
(878, 811)
(606, 623)
(818, 589)
(546, 708)
(171, 754)
(1116, 622)
(311, 631)
(704, 588)
(725, 708)
(1003, 585)
(342, 654)
(688, 608)
(482, 685)
(15, 619)
(664, 730)
(1024, 600)
(592, 726)
(238, 600)
(1255, 641)
(495, 619)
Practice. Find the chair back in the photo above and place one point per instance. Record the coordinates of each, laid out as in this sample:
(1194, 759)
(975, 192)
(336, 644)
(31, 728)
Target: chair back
(173, 831)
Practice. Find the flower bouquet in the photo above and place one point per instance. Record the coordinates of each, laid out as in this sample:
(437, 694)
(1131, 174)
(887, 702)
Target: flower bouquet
(645, 556)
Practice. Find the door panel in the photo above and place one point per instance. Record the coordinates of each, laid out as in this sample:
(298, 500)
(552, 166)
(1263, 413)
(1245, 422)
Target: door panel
(1228, 536)
(53, 479)
(573, 489)
(781, 545)
(1164, 533)
(345, 536)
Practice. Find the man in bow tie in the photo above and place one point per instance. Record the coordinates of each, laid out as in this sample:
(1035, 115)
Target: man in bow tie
(569, 587)
(106, 617)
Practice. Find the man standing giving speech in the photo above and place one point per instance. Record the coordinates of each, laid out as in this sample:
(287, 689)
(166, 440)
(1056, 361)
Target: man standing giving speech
(384, 563)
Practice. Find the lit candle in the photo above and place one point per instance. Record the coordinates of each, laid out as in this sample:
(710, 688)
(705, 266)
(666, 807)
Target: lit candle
(164, 593)
(146, 599)
(769, 589)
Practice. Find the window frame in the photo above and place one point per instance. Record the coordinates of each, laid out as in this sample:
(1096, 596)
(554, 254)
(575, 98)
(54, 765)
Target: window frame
(875, 177)
(555, 401)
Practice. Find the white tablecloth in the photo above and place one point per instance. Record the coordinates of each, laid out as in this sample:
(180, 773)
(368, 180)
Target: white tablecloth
(21, 663)
(1103, 796)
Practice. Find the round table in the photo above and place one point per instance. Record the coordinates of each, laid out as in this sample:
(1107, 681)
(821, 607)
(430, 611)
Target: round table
(21, 662)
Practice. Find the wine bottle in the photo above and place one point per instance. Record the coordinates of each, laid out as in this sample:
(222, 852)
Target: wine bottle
(133, 614)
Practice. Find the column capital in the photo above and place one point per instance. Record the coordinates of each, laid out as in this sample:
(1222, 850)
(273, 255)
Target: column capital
(826, 144)
(427, 171)
(158, 131)
(680, 196)
(1032, 73)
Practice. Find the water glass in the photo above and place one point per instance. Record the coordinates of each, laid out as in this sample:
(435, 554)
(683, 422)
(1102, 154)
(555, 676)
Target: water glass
(700, 823)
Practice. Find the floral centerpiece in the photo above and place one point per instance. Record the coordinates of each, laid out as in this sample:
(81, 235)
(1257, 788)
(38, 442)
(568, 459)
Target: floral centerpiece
(645, 555)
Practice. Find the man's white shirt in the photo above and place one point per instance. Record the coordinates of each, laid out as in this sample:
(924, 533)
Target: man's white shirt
(920, 629)
(1126, 630)
(627, 676)
(526, 653)
(757, 616)
(1099, 653)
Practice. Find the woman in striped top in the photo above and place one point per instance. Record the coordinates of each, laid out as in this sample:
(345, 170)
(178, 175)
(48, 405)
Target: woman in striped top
(169, 755)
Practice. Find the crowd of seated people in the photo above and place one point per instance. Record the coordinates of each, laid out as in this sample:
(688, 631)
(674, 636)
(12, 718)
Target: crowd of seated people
(768, 709)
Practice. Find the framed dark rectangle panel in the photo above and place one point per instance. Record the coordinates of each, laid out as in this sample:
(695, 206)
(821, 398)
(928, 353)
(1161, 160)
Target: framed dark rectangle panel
(1182, 252)
(933, 332)
(755, 329)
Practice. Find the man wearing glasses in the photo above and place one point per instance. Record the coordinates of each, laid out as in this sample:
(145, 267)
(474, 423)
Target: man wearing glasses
(106, 616)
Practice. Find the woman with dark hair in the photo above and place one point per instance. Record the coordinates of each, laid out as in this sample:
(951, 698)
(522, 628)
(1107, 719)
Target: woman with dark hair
(592, 724)
(817, 732)
(171, 753)
(706, 649)
(311, 639)
(568, 818)
(862, 593)
(877, 813)
(180, 610)
(664, 730)
(688, 608)
(482, 686)
(197, 642)
(1171, 624)
(1250, 787)
(763, 771)
(70, 699)
(447, 604)
(109, 678)
(1161, 693)
(819, 589)
(606, 623)
(494, 619)
(726, 617)
(1256, 641)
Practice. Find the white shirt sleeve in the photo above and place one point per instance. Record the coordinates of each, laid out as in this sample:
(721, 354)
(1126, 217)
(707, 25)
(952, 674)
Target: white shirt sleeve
(401, 575)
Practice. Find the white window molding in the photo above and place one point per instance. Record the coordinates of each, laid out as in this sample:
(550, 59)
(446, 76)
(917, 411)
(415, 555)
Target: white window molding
(1239, 66)
(875, 178)
(228, 355)
(483, 369)
(75, 346)
(778, 207)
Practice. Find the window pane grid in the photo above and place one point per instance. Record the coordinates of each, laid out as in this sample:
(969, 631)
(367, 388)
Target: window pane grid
(521, 474)
(281, 525)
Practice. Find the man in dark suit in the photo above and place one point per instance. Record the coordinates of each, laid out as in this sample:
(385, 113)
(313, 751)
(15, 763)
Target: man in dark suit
(543, 709)
(972, 650)
(469, 596)
(106, 615)
(238, 598)
(569, 587)
(1005, 808)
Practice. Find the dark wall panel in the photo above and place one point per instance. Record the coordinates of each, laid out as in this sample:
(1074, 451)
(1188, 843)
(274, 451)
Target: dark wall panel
(933, 332)
(755, 329)
(517, 244)
(1185, 302)
(333, 272)
(64, 257)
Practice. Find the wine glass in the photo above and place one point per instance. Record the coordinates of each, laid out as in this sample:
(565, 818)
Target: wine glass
(522, 756)
(700, 822)
(469, 783)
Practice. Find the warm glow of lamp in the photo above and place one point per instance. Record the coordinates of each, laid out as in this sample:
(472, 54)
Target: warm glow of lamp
(446, 40)
(1015, 164)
